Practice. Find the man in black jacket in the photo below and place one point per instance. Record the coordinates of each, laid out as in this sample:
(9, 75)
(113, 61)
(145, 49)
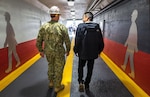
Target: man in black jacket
(88, 45)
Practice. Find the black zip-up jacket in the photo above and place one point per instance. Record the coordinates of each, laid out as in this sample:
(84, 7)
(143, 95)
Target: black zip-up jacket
(88, 41)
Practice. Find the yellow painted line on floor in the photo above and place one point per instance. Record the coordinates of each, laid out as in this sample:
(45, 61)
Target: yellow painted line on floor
(67, 75)
(135, 90)
(15, 74)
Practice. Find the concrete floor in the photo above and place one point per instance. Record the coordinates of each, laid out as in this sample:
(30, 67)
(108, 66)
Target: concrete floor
(34, 83)
(103, 84)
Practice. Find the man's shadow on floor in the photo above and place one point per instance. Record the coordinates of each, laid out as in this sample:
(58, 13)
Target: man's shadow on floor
(39, 89)
(51, 93)
(88, 93)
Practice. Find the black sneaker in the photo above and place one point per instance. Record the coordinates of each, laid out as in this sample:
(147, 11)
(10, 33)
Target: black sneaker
(81, 87)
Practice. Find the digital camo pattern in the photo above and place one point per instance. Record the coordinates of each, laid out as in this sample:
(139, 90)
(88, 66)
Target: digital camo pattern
(54, 35)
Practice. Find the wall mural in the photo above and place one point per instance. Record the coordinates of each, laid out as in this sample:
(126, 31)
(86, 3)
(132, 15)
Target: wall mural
(11, 42)
(127, 39)
(131, 44)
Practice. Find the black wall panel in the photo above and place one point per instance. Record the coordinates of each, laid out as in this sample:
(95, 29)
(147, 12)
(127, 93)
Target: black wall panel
(118, 22)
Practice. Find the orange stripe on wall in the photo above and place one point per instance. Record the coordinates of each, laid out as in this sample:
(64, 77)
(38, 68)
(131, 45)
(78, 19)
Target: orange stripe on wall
(116, 52)
(25, 51)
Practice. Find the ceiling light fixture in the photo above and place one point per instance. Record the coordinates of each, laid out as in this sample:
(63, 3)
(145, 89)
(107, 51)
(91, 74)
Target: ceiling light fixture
(73, 17)
(72, 12)
(70, 2)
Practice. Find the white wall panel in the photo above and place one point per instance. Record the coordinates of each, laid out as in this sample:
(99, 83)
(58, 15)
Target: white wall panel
(25, 20)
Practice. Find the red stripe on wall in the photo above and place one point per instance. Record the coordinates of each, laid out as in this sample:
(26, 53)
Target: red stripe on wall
(116, 52)
(25, 51)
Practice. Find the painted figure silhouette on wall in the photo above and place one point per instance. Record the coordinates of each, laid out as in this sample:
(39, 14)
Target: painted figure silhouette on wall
(131, 44)
(11, 42)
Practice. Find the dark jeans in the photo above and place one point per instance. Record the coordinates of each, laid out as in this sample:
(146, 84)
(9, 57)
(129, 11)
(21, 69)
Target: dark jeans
(82, 63)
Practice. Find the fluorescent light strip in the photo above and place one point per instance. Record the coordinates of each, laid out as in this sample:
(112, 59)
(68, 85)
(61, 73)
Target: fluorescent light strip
(70, 3)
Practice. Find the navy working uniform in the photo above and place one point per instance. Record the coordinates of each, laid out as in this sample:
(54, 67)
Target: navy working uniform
(51, 39)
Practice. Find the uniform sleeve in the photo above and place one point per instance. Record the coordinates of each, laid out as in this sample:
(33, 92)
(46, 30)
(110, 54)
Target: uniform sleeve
(66, 39)
(39, 40)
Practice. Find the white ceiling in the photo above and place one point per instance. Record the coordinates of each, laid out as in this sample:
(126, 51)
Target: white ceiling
(80, 6)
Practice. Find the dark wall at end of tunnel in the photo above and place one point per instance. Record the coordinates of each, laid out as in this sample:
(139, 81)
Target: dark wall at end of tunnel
(126, 34)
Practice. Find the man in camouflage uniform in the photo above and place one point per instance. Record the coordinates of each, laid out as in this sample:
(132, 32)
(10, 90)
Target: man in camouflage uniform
(53, 35)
